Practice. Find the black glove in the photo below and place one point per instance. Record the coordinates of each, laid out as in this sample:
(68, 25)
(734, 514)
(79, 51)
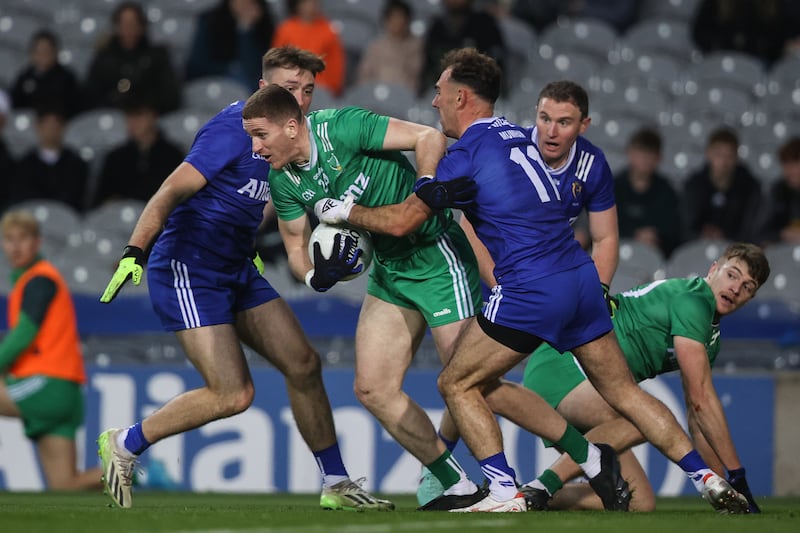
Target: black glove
(342, 262)
(458, 193)
(611, 302)
(738, 481)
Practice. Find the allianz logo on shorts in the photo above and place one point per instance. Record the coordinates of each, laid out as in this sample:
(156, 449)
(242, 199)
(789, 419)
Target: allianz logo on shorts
(445, 311)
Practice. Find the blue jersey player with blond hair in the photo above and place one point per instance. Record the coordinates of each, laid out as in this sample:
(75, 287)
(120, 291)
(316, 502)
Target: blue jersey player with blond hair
(547, 287)
(205, 287)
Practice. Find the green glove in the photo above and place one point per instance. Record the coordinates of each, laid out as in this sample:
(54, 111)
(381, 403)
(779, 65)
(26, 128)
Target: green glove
(258, 263)
(130, 267)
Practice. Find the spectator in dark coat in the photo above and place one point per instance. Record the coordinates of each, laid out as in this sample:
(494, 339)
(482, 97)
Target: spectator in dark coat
(7, 162)
(51, 171)
(45, 81)
(136, 169)
(722, 199)
(782, 221)
(130, 63)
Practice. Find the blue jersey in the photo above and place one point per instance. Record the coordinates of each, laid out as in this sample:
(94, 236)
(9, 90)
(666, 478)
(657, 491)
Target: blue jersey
(584, 180)
(517, 212)
(218, 224)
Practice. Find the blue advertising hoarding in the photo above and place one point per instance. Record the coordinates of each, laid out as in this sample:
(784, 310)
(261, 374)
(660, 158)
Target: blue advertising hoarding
(261, 451)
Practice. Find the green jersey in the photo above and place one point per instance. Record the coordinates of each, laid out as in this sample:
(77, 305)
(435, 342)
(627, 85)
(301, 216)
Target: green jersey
(347, 159)
(650, 316)
(645, 323)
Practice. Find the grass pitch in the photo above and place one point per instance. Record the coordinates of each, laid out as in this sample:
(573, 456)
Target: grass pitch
(176, 512)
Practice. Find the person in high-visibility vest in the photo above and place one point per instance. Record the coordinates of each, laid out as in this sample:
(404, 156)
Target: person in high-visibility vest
(41, 363)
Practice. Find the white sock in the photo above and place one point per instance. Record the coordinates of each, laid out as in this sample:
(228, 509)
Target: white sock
(592, 465)
(121, 436)
(536, 484)
(462, 487)
(329, 480)
(699, 478)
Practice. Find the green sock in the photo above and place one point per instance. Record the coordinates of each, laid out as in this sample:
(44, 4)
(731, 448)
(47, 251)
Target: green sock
(550, 481)
(574, 444)
(446, 469)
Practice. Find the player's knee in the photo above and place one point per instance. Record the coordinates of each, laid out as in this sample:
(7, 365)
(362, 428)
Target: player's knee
(446, 384)
(304, 369)
(235, 402)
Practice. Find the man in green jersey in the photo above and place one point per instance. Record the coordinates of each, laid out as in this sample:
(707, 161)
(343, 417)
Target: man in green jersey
(665, 325)
(426, 279)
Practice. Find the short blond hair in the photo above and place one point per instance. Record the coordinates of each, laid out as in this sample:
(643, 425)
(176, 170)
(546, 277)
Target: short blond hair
(20, 218)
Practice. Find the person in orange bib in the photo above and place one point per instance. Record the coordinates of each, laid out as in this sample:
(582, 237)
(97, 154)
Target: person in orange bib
(40, 357)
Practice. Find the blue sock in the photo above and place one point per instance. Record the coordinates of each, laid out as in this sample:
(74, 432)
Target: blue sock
(502, 478)
(330, 461)
(451, 444)
(135, 441)
(692, 462)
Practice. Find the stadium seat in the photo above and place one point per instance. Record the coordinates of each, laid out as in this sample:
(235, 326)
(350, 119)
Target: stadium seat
(724, 104)
(5, 278)
(576, 66)
(211, 94)
(81, 29)
(323, 99)
(784, 280)
(11, 63)
(97, 128)
(60, 224)
(694, 258)
(17, 29)
(187, 8)
(116, 218)
(682, 10)
(655, 71)
(37, 9)
(176, 32)
(730, 69)
(383, 98)
(612, 133)
(658, 36)
(784, 72)
(20, 131)
(582, 35)
(77, 58)
(368, 9)
(762, 160)
(786, 104)
(679, 160)
(520, 40)
(182, 125)
(638, 264)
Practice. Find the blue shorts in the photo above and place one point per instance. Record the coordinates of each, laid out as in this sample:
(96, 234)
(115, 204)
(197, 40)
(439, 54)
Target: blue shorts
(186, 296)
(566, 309)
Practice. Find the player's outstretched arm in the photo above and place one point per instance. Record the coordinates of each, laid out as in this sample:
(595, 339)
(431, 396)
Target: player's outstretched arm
(702, 402)
(180, 185)
(429, 144)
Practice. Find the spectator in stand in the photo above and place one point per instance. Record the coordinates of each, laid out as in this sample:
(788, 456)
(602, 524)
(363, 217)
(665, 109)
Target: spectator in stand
(44, 80)
(229, 41)
(136, 169)
(782, 222)
(308, 28)
(757, 27)
(395, 56)
(7, 162)
(621, 14)
(647, 205)
(459, 25)
(51, 171)
(723, 197)
(130, 63)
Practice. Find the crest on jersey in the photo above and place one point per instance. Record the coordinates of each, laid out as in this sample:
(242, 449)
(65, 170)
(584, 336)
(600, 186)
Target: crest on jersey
(333, 162)
(577, 189)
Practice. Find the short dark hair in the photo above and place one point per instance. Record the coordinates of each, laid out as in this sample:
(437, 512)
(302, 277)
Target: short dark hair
(724, 135)
(566, 91)
(44, 35)
(646, 139)
(397, 5)
(274, 103)
(476, 70)
(789, 151)
(753, 256)
(291, 57)
(136, 7)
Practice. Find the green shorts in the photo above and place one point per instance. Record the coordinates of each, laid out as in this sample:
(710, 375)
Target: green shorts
(552, 375)
(440, 279)
(49, 406)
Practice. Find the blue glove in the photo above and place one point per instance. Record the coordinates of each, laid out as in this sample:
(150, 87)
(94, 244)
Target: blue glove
(611, 302)
(738, 481)
(328, 270)
(437, 195)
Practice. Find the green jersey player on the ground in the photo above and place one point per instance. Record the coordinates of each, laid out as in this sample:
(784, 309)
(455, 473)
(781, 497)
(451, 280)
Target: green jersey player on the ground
(663, 326)
(426, 279)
